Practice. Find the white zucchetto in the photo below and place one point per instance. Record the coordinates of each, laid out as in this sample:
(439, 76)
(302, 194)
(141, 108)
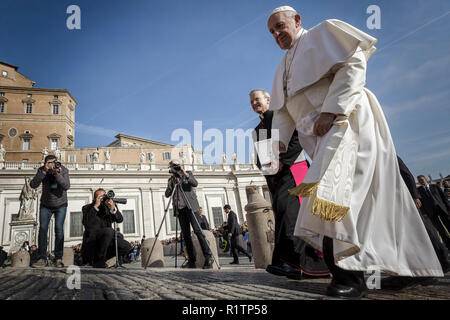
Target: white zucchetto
(281, 9)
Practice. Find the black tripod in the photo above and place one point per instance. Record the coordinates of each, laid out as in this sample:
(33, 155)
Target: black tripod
(117, 265)
(178, 182)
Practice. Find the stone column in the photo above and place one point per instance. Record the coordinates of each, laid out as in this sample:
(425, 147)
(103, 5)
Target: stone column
(20, 259)
(242, 201)
(157, 258)
(199, 258)
(147, 212)
(231, 200)
(261, 225)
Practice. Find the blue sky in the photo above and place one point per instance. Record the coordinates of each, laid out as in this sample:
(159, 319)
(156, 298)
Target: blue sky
(146, 68)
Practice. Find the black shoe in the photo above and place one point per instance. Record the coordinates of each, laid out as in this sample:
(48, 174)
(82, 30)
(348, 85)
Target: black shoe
(100, 264)
(342, 291)
(249, 258)
(234, 262)
(189, 265)
(285, 270)
(208, 263)
(399, 283)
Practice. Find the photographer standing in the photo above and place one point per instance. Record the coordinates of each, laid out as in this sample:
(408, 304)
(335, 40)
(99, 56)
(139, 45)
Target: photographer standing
(98, 238)
(185, 215)
(55, 183)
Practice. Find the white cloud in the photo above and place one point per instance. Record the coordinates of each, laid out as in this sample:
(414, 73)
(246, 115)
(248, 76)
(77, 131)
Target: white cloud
(95, 130)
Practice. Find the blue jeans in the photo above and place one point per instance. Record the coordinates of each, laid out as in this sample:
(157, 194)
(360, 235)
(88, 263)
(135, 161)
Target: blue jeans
(45, 215)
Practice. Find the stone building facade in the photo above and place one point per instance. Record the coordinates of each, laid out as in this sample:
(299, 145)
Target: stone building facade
(143, 185)
(32, 119)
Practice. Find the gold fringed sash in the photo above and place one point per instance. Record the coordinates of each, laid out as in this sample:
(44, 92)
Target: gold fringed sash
(329, 211)
(304, 189)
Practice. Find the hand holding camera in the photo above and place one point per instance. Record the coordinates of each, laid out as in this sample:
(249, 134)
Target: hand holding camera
(54, 167)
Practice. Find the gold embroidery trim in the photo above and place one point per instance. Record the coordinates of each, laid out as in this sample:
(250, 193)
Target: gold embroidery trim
(329, 211)
(304, 189)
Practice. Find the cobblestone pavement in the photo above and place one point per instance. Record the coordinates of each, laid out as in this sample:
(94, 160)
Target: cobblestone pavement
(230, 282)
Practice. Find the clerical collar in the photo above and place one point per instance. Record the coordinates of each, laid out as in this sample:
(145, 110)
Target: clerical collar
(261, 116)
(297, 37)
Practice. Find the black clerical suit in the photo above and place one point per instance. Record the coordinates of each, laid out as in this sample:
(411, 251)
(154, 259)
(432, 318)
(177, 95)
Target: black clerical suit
(438, 245)
(98, 238)
(236, 237)
(436, 206)
(186, 215)
(288, 248)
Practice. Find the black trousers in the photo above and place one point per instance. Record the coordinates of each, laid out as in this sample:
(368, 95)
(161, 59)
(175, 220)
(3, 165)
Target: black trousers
(348, 278)
(440, 221)
(186, 218)
(105, 247)
(439, 246)
(236, 247)
(285, 207)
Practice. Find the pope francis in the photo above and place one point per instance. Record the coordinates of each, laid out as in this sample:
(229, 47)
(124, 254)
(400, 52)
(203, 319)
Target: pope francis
(356, 207)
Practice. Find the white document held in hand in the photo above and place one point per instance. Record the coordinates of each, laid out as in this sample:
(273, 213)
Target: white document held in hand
(264, 150)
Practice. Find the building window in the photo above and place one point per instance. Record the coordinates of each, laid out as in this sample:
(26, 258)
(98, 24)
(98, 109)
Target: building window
(29, 95)
(55, 97)
(218, 216)
(55, 109)
(26, 144)
(24, 160)
(166, 156)
(71, 158)
(12, 132)
(4, 73)
(76, 226)
(2, 94)
(89, 158)
(128, 221)
(54, 144)
(29, 108)
(2, 107)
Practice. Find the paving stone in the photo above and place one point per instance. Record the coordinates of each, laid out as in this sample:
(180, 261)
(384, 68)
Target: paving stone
(228, 283)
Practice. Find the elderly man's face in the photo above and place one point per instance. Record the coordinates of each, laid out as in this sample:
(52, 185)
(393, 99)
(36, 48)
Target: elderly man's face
(259, 102)
(423, 181)
(284, 29)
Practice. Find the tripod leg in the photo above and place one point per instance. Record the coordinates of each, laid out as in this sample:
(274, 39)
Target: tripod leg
(159, 229)
(198, 224)
(176, 241)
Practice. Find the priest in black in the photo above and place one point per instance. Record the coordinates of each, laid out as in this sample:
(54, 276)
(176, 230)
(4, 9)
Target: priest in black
(399, 283)
(292, 257)
(436, 207)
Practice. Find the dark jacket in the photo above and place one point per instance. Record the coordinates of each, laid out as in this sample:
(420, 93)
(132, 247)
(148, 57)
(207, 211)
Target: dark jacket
(294, 148)
(54, 187)
(408, 178)
(436, 199)
(233, 224)
(188, 187)
(94, 220)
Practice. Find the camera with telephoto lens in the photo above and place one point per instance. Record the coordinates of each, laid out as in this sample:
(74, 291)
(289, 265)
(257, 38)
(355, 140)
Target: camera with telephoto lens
(57, 164)
(174, 168)
(111, 195)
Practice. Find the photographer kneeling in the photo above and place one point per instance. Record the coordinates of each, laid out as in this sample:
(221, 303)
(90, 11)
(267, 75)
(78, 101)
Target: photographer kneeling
(185, 215)
(98, 238)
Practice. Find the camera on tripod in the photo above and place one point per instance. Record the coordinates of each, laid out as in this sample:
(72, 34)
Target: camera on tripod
(111, 195)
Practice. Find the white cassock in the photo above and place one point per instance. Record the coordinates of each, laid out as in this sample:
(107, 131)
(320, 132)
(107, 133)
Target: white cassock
(353, 191)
